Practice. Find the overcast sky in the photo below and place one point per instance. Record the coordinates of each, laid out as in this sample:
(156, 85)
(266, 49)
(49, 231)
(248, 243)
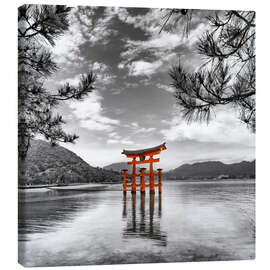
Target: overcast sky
(133, 105)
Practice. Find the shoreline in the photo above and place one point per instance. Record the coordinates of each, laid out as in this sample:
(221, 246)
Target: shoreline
(73, 187)
(107, 185)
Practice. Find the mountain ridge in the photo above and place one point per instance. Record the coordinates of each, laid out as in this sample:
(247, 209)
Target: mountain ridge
(213, 169)
(203, 169)
(46, 164)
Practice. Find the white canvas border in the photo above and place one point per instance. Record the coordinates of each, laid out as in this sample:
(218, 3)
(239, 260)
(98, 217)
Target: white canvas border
(9, 130)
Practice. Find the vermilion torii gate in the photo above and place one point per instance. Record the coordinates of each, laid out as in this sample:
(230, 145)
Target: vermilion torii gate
(142, 154)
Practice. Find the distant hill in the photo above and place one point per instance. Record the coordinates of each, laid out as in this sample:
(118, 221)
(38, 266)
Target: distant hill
(118, 167)
(212, 169)
(47, 164)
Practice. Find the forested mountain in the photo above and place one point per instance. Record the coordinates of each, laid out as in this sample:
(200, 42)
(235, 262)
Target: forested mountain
(47, 164)
(213, 169)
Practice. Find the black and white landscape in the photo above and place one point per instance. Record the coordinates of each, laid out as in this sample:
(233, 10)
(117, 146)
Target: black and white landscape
(96, 80)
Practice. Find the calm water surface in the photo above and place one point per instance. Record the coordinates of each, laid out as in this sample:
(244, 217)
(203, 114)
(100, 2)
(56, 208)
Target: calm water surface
(191, 221)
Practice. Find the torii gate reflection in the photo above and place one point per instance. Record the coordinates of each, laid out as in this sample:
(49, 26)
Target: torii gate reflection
(149, 222)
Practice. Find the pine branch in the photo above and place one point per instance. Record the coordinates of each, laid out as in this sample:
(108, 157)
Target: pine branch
(230, 46)
(70, 92)
(37, 105)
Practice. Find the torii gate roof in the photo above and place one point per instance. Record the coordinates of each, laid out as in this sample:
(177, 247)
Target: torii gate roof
(145, 151)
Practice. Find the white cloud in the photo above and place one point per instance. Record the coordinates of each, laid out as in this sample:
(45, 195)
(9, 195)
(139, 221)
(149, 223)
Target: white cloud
(114, 135)
(145, 130)
(112, 141)
(91, 114)
(143, 68)
(149, 22)
(131, 85)
(224, 128)
(146, 57)
(136, 128)
(117, 91)
(82, 29)
(127, 142)
(165, 41)
(98, 123)
(167, 88)
(157, 44)
(98, 66)
(121, 65)
(134, 124)
(103, 73)
(97, 31)
(146, 68)
(115, 138)
(122, 142)
(66, 50)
